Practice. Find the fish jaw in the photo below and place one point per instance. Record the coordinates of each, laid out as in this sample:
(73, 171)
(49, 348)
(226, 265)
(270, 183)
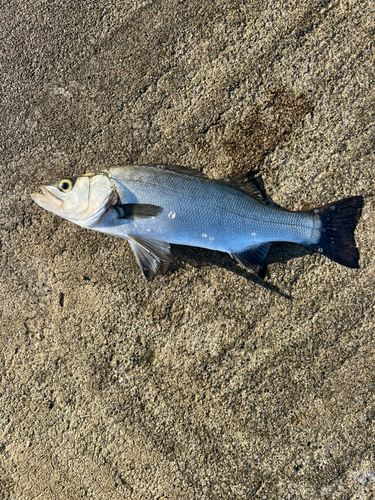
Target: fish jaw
(50, 199)
(84, 213)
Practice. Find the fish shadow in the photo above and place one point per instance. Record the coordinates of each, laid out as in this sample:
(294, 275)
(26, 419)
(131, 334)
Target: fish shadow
(200, 258)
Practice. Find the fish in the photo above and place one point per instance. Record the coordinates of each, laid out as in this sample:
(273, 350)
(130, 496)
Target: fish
(154, 206)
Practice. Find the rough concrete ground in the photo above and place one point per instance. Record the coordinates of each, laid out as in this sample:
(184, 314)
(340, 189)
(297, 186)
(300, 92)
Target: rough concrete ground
(206, 383)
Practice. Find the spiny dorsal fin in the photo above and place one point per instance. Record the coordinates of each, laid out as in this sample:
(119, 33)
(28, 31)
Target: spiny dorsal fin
(179, 169)
(243, 182)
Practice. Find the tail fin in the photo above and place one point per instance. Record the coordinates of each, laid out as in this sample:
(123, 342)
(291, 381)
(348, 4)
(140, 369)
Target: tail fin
(339, 220)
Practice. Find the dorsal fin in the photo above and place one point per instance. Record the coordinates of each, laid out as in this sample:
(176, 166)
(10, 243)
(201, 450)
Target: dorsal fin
(179, 169)
(247, 184)
(243, 182)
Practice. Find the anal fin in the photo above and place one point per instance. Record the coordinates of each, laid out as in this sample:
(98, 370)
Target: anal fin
(254, 258)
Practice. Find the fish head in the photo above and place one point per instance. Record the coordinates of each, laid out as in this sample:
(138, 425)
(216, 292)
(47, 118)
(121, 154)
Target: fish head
(83, 200)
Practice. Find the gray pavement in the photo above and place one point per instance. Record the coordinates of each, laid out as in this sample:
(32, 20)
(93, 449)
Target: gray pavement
(207, 383)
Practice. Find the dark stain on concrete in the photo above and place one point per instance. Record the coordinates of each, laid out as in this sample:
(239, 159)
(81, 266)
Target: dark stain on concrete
(266, 125)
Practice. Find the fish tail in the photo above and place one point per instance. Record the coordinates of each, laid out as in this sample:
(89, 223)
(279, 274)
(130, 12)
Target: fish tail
(338, 222)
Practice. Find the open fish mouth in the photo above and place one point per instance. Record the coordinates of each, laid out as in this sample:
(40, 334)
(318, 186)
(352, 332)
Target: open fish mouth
(50, 199)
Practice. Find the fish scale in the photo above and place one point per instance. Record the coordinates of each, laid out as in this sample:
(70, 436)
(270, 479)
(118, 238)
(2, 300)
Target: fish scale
(234, 220)
(152, 206)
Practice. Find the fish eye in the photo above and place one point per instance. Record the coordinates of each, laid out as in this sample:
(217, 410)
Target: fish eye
(65, 185)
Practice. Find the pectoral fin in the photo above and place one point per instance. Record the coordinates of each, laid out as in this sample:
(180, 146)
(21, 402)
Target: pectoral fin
(254, 258)
(149, 252)
(137, 211)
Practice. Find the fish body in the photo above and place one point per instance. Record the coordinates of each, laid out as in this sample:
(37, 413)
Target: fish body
(152, 206)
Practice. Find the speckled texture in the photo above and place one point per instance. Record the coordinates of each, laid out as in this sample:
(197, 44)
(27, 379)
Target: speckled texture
(206, 383)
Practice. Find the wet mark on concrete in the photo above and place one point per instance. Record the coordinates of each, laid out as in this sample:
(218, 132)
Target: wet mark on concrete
(266, 125)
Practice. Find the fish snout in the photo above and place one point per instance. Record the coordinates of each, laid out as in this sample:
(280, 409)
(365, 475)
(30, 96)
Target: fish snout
(50, 198)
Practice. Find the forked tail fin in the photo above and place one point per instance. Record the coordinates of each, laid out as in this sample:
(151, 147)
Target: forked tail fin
(338, 221)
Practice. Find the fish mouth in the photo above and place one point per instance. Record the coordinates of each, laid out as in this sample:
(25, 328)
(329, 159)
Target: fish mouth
(51, 199)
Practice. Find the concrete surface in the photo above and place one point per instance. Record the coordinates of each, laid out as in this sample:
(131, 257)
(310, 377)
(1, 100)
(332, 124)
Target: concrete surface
(206, 383)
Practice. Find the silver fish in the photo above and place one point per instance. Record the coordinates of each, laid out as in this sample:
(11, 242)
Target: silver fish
(152, 206)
